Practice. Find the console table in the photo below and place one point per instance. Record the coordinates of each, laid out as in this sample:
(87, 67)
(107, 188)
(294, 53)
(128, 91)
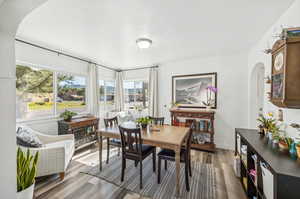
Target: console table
(204, 125)
(283, 170)
(84, 130)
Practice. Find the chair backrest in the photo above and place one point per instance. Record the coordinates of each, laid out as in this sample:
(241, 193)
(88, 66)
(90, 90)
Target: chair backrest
(131, 141)
(110, 122)
(188, 141)
(157, 120)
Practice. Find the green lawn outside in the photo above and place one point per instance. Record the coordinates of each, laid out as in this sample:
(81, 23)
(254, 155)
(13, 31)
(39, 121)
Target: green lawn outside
(49, 105)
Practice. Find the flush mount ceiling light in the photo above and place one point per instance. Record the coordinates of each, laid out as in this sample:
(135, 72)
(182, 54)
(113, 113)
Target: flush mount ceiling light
(143, 43)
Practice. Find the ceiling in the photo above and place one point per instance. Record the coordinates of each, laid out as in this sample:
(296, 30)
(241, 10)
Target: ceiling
(106, 30)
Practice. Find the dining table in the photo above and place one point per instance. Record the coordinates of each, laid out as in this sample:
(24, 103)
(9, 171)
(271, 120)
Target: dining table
(162, 136)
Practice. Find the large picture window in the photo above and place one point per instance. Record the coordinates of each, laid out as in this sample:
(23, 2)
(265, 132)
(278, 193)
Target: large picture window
(136, 94)
(71, 91)
(39, 97)
(107, 95)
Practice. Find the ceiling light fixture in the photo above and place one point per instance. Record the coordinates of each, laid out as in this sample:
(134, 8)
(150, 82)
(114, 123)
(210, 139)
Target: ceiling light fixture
(143, 43)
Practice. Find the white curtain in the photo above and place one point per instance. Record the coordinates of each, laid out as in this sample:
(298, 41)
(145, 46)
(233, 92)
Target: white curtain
(94, 90)
(153, 92)
(119, 97)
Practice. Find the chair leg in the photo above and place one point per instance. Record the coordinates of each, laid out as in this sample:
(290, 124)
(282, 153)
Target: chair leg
(166, 164)
(154, 160)
(62, 176)
(158, 172)
(141, 174)
(119, 149)
(136, 163)
(190, 167)
(107, 157)
(187, 185)
(123, 169)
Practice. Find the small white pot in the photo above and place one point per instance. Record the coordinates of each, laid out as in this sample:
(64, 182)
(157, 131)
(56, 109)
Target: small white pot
(26, 194)
(208, 108)
(270, 135)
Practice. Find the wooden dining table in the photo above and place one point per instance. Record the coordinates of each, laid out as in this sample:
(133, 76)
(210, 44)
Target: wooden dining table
(163, 136)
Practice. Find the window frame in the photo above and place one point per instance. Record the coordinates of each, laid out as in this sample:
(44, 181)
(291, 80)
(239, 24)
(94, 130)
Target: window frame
(135, 80)
(104, 93)
(54, 115)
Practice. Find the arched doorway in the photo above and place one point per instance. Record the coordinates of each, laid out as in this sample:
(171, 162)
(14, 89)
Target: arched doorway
(12, 12)
(257, 92)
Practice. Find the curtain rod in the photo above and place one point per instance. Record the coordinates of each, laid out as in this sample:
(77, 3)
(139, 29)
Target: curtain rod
(140, 68)
(65, 54)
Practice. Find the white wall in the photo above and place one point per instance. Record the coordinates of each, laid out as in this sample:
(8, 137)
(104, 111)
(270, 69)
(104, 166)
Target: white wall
(232, 95)
(290, 18)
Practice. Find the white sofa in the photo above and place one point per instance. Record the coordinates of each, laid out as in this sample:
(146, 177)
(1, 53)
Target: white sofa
(55, 154)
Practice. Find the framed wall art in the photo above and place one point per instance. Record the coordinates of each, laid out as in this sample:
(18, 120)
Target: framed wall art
(195, 91)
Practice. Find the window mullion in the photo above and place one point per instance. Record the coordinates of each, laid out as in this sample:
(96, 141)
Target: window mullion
(55, 93)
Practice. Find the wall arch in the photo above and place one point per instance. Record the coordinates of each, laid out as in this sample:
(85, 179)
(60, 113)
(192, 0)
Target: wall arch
(257, 92)
(12, 12)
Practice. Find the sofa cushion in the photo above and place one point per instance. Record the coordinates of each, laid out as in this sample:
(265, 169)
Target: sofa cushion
(27, 138)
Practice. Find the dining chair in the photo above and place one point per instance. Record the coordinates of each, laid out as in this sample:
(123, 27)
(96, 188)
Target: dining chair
(110, 122)
(185, 157)
(133, 149)
(157, 120)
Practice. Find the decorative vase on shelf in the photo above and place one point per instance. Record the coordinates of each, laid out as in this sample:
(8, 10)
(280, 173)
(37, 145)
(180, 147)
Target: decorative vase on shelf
(208, 108)
(293, 150)
(270, 135)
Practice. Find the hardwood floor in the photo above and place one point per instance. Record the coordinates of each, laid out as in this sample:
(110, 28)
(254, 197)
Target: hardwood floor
(77, 185)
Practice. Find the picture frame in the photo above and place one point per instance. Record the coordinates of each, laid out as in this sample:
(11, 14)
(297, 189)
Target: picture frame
(190, 91)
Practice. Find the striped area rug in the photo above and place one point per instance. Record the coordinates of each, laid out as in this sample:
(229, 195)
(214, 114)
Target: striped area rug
(202, 183)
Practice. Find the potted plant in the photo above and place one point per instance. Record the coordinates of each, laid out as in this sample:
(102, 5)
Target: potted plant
(175, 105)
(26, 173)
(285, 143)
(67, 115)
(273, 132)
(143, 121)
(266, 123)
(209, 98)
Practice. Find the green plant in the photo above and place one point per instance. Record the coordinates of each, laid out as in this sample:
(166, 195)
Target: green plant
(143, 120)
(286, 140)
(67, 115)
(26, 169)
(267, 123)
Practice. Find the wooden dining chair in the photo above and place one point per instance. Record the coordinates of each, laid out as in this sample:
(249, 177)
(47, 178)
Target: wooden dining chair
(133, 149)
(185, 157)
(157, 120)
(110, 122)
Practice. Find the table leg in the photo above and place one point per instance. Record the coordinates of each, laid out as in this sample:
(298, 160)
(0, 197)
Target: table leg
(100, 150)
(177, 160)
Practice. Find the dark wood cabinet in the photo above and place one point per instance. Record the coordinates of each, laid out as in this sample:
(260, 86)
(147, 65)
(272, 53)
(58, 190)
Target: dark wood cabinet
(84, 130)
(285, 78)
(284, 169)
(204, 126)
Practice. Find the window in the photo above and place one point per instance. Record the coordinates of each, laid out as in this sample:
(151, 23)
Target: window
(36, 93)
(136, 94)
(71, 91)
(107, 95)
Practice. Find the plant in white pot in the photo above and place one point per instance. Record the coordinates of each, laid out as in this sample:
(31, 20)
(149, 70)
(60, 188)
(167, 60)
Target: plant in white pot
(26, 173)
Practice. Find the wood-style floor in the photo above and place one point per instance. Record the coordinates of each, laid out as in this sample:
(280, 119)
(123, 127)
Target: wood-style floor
(77, 185)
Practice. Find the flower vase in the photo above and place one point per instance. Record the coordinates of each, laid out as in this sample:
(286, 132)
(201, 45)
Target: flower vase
(208, 108)
(293, 150)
